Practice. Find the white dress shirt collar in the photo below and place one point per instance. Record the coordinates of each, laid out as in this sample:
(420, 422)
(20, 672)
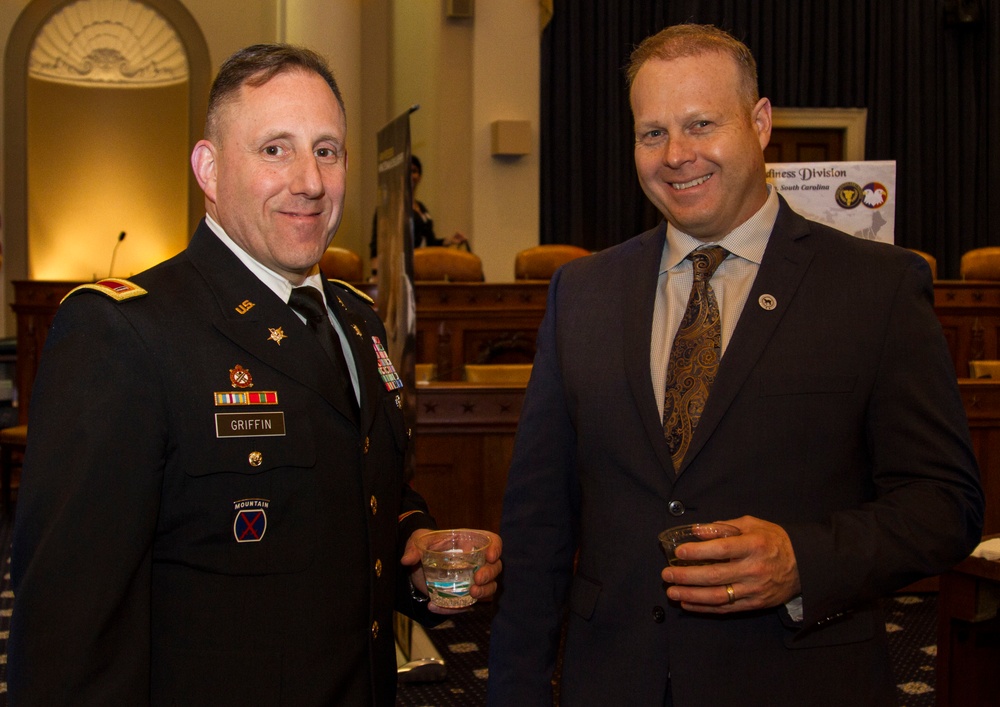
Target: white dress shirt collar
(747, 241)
(275, 282)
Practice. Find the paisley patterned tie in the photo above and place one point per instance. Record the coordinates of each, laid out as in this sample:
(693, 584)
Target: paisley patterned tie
(694, 359)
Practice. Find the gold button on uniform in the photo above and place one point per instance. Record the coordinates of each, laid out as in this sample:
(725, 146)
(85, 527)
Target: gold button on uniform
(368, 442)
(255, 458)
(378, 568)
(374, 629)
(373, 502)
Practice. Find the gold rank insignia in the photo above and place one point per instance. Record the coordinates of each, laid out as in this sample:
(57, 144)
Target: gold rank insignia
(357, 330)
(277, 334)
(113, 287)
(240, 377)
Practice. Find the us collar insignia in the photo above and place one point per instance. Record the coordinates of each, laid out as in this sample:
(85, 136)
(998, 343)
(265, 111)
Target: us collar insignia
(244, 306)
(356, 330)
(277, 334)
(240, 377)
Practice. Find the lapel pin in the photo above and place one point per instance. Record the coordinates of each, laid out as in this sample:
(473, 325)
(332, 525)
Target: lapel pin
(767, 302)
(245, 306)
(357, 330)
(277, 334)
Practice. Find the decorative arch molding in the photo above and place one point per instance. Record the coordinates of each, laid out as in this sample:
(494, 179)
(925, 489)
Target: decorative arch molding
(98, 42)
(15, 133)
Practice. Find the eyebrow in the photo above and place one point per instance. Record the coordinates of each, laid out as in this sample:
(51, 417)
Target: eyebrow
(286, 135)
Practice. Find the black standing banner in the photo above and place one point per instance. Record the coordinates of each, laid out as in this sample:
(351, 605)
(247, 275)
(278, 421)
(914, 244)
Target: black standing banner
(394, 224)
(395, 299)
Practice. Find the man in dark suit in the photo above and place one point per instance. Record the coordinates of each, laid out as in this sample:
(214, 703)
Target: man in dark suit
(833, 435)
(213, 509)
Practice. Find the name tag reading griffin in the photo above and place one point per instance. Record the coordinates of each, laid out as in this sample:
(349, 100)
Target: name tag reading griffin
(249, 424)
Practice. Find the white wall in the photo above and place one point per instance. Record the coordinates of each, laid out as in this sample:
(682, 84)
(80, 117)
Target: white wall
(334, 30)
(506, 61)
(464, 74)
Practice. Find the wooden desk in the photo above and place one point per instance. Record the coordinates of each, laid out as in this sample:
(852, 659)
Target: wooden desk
(981, 399)
(969, 313)
(968, 644)
(477, 322)
(462, 448)
(35, 304)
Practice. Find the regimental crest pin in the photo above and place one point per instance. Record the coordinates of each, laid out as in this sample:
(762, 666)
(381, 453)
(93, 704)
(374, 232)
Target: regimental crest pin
(240, 377)
(386, 371)
(250, 522)
(277, 334)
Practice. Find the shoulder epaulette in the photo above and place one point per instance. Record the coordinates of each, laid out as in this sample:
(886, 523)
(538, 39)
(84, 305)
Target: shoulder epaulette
(353, 289)
(113, 287)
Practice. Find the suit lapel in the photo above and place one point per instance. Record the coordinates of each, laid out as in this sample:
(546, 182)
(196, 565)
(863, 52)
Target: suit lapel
(640, 275)
(785, 262)
(256, 319)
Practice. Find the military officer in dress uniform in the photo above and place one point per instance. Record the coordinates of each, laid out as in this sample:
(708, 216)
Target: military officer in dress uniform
(213, 509)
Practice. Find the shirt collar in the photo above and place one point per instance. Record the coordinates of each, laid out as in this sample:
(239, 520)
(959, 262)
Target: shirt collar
(747, 241)
(275, 282)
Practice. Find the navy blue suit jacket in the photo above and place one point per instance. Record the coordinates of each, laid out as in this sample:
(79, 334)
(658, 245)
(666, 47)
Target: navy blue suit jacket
(835, 414)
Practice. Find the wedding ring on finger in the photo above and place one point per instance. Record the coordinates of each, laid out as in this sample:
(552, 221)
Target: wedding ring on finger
(731, 593)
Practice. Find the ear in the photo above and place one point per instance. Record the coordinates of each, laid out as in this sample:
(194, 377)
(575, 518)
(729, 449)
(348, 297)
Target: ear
(761, 116)
(203, 162)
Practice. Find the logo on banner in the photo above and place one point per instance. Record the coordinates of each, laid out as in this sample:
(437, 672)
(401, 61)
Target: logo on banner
(875, 195)
(849, 195)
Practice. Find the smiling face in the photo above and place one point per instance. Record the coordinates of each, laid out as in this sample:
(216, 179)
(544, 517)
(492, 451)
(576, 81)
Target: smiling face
(699, 148)
(274, 176)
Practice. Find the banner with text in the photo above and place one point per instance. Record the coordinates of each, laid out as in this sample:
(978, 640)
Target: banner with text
(858, 198)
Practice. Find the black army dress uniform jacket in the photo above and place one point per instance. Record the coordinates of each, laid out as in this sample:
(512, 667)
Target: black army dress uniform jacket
(199, 524)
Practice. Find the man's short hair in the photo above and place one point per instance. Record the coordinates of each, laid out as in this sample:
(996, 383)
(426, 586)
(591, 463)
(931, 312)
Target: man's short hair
(256, 65)
(692, 40)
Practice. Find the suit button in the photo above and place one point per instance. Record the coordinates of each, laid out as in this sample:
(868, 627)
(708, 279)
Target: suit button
(378, 568)
(659, 614)
(373, 502)
(374, 629)
(676, 508)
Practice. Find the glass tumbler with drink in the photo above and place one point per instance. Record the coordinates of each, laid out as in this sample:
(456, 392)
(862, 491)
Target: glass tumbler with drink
(671, 538)
(450, 558)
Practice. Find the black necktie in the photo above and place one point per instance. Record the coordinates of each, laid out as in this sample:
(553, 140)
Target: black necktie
(308, 302)
(694, 358)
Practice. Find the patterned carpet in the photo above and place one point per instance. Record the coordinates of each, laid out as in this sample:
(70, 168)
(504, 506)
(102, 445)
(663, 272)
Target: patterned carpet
(463, 643)
(911, 622)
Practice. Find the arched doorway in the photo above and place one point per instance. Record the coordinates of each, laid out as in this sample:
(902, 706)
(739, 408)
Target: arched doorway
(23, 38)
